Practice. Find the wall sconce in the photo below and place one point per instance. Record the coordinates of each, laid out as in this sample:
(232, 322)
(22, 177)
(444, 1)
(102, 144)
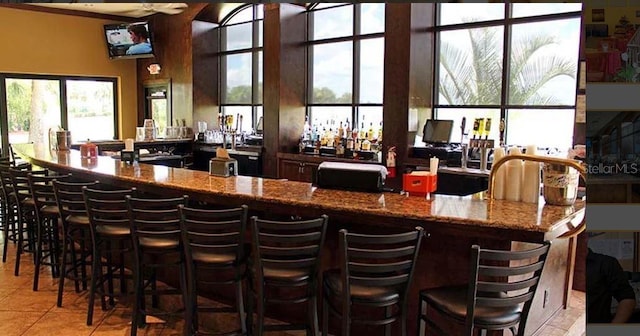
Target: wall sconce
(154, 68)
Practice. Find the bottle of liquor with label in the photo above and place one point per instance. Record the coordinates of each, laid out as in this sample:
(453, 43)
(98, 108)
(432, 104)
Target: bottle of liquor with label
(380, 132)
(366, 144)
(340, 131)
(369, 133)
(347, 131)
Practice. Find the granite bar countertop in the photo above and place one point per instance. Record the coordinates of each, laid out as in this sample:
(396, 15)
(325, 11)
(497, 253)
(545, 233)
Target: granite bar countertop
(468, 213)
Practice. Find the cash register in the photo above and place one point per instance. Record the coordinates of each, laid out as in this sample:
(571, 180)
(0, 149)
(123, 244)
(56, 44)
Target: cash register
(436, 137)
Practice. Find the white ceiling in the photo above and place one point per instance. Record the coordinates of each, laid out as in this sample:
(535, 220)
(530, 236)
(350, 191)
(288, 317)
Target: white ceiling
(134, 10)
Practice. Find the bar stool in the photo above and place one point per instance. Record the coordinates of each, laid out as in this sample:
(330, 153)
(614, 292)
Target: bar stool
(157, 244)
(47, 218)
(490, 301)
(8, 209)
(287, 254)
(25, 206)
(75, 229)
(376, 273)
(214, 242)
(110, 236)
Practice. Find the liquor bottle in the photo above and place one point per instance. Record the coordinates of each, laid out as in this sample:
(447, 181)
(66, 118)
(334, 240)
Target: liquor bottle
(350, 143)
(357, 145)
(307, 128)
(366, 144)
(347, 132)
(380, 133)
(361, 132)
(340, 131)
(330, 138)
(369, 133)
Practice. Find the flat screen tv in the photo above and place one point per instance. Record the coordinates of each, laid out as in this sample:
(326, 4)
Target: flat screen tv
(129, 40)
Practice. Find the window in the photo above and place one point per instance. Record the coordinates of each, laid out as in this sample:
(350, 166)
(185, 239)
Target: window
(346, 65)
(36, 103)
(511, 62)
(241, 66)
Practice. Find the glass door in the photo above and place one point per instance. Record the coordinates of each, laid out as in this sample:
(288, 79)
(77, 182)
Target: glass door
(158, 104)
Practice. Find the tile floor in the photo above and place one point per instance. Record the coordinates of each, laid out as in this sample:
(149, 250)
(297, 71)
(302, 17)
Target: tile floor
(29, 313)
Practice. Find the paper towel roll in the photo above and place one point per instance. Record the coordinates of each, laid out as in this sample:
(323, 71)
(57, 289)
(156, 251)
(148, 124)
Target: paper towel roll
(513, 179)
(499, 175)
(531, 178)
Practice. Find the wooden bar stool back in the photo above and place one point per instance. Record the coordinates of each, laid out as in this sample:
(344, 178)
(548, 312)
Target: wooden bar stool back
(75, 229)
(25, 206)
(157, 244)
(47, 223)
(111, 239)
(499, 295)
(9, 210)
(287, 255)
(216, 255)
(376, 273)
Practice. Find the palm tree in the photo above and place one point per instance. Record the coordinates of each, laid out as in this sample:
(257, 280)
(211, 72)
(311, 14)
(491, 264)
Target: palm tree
(475, 78)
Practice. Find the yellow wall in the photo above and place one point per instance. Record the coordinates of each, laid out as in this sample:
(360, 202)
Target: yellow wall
(612, 15)
(54, 44)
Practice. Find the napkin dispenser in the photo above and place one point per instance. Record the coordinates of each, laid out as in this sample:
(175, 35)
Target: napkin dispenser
(222, 165)
(351, 176)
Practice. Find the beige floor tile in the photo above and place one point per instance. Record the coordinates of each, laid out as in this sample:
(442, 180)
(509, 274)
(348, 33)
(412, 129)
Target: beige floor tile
(14, 323)
(26, 300)
(61, 323)
(118, 322)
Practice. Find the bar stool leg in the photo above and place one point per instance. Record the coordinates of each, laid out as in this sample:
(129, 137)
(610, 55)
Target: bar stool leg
(403, 322)
(346, 322)
(388, 311)
(325, 316)
(38, 254)
(422, 314)
(185, 297)
(64, 272)
(95, 273)
(240, 306)
(312, 311)
(260, 310)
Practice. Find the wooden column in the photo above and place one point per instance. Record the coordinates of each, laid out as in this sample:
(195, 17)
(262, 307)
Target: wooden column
(408, 76)
(284, 62)
(205, 71)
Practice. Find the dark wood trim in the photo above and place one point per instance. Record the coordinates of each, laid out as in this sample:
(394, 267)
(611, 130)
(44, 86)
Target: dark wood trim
(51, 10)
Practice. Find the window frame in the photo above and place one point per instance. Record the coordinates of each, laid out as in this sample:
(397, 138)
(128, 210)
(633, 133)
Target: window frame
(507, 25)
(62, 82)
(255, 50)
(356, 38)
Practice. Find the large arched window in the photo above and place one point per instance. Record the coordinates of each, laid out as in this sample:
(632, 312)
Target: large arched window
(516, 62)
(346, 65)
(241, 65)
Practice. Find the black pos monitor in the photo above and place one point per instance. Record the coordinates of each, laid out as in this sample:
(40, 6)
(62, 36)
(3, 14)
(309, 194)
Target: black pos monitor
(437, 132)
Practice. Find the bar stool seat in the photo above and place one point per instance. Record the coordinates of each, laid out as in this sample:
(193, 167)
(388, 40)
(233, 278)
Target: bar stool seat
(78, 220)
(453, 302)
(113, 231)
(365, 294)
(158, 243)
(285, 275)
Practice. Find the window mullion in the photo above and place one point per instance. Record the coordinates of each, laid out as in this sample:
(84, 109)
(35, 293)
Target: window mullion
(355, 88)
(506, 70)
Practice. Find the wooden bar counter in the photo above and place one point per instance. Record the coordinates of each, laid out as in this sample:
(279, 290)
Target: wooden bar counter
(453, 223)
